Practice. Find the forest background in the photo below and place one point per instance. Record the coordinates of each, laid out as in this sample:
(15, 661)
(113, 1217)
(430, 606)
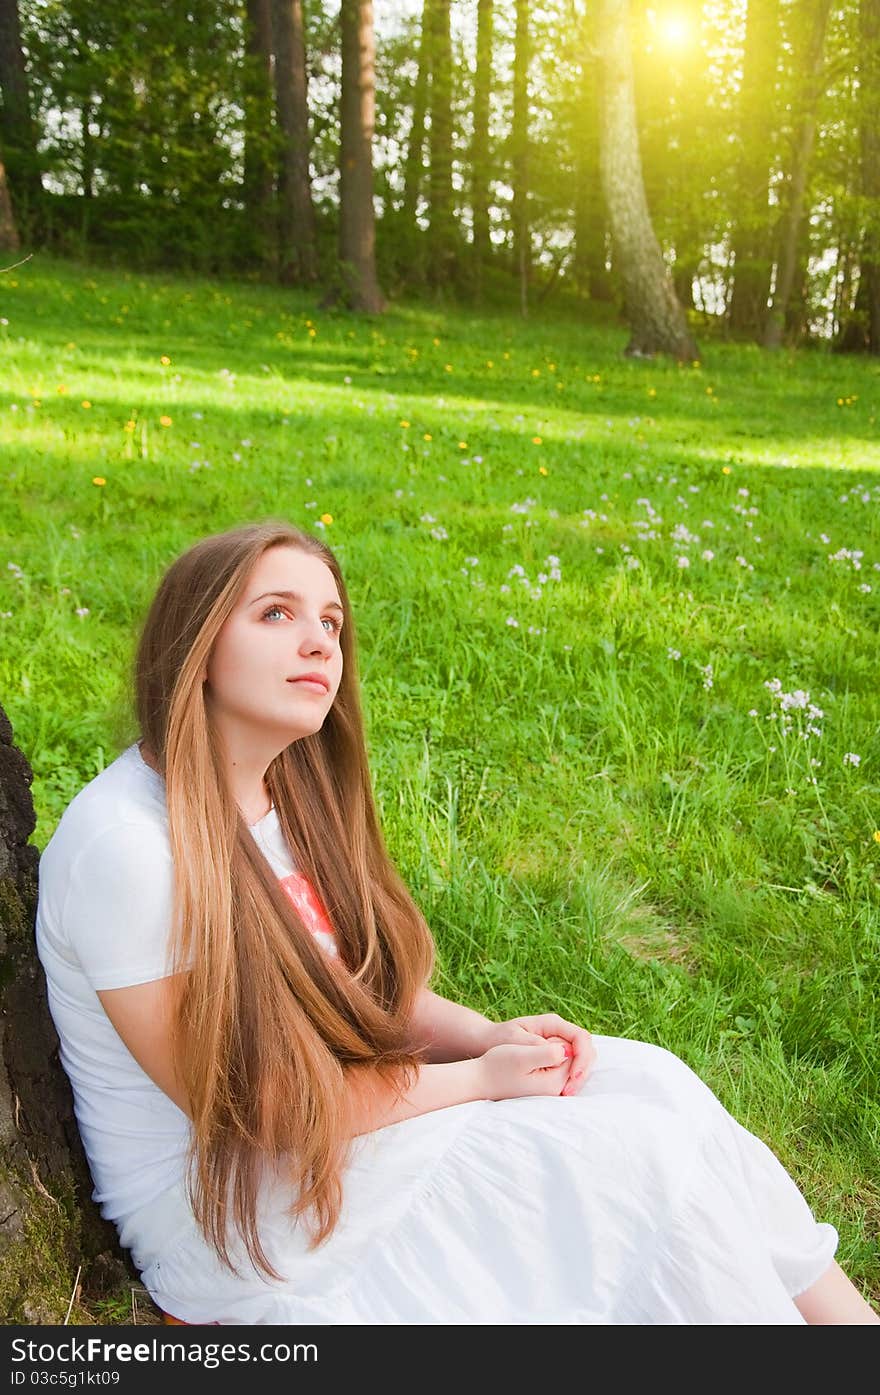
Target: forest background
(619, 611)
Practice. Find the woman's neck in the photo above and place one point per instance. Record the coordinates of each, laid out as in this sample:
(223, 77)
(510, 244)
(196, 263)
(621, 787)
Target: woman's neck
(249, 816)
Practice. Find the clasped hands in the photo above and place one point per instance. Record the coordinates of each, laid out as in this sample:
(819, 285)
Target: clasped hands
(547, 1026)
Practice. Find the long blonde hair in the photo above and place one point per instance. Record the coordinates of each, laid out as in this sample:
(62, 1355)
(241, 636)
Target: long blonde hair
(269, 1032)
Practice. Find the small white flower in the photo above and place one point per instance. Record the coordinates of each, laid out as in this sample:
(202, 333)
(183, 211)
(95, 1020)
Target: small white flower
(440, 534)
(851, 758)
(708, 555)
(510, 621)
(504, 588)
(683, 561)
(753, 711)
(82, 610)
(865, 589)
(673, 654)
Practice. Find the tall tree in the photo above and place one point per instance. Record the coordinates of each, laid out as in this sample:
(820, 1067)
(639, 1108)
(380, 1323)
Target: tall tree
(860, 330)
(815, 16)
(357, 219)
(480, 167)
(752, 234)
(298, 252)
(656, 320)
(9, 239)
(18, 131)
(413, 168)
(519, 150)
(258, 186)
(441, 232)
(590, 220)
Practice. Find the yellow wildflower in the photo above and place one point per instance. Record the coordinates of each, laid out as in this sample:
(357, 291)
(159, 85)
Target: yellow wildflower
(462, 445)
(165, 361)
(86, 404)
(436, 343)
(489, 363)
(427, 436)
(725, 469)
(130, 425)
(164, 421)
(542, 469)
(404, 424)
(536, 440)
(99, 479)
(877, 835)
(326, 518)
(62, 390)
(447, 367)
(536, 372)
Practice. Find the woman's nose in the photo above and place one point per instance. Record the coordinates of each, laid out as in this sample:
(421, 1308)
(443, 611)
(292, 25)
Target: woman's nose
(317, 638)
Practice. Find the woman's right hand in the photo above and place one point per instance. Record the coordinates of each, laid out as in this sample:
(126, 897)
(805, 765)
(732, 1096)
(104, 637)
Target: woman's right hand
(512, 1071)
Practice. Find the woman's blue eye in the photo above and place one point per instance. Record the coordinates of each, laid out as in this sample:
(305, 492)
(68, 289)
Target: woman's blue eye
(336, 624)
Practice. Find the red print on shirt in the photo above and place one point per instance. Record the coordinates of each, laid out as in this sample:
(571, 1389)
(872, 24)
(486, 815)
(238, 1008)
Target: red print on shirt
(308, 904)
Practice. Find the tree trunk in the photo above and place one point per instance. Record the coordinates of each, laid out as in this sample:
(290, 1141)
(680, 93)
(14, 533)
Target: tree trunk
(869, 73)
(48, 1224)
(413, 168)
(357, 219)
(752, 237)
(9, 239)
(18, 133)
(258, 183)
(519, 143)
(656, 320)
(441, 231)
(589, 271)
(298, 253)
(480, 167)
(792, 219)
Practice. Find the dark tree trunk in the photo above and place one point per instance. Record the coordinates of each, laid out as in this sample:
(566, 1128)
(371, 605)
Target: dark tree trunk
(863, 330)
(258, 183)
(48, 1223)
(791, 227)
(480, 167)
(413, 168)
(357, 220)
(589, 270)
(18, 132)
(441, 232)
(298, 253)
(656, 320)
(519, 144)
(752, 237)
(9, 239)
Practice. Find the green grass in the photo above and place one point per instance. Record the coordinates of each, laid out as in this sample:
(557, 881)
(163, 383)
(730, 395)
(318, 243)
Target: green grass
(590, 823)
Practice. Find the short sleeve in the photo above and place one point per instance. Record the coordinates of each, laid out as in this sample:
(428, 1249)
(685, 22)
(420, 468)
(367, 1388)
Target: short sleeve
(118, 907)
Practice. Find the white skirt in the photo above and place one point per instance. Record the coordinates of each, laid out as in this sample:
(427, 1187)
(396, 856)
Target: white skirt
(638, 1200)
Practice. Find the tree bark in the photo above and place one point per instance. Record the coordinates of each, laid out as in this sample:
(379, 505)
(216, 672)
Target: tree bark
(752, 236)
(480, 167)
(861, 330)
(441, 232)
(298, 252)
(413, 168)
(18, 132)
(589, 270)
(519, 142)
(45, 1186)
(656, 320)
(258, 184)
(9, 239)
(357, 219)
(792, 219)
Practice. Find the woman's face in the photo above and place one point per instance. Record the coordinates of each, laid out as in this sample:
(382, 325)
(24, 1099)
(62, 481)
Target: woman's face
(269, 641)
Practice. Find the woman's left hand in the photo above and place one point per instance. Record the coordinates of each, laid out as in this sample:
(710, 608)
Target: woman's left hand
(549, 1026)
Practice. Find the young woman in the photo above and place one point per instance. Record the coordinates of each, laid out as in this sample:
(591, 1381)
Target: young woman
(283, 1120)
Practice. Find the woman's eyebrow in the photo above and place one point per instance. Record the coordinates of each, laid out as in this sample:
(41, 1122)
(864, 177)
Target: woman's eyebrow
(295, 596)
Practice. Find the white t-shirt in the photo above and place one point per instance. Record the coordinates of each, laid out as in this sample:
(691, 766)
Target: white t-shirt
(104, 914)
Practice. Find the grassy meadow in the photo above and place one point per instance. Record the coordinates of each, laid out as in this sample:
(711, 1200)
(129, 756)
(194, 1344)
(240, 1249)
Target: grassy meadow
(618, 640)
